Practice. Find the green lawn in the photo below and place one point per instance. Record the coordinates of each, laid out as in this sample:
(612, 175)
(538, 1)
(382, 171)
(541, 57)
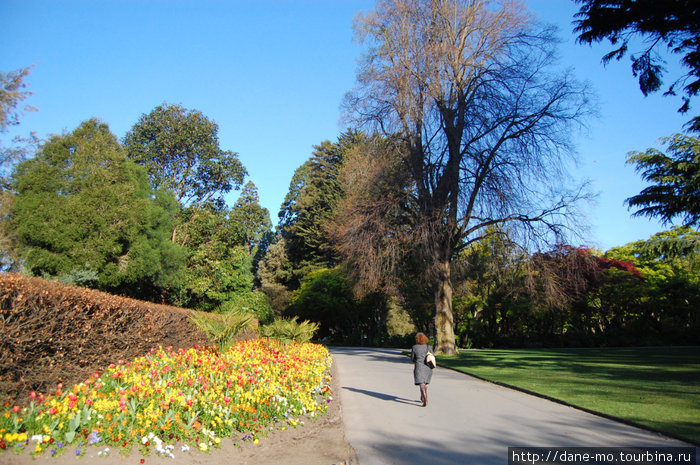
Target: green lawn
(655, 387)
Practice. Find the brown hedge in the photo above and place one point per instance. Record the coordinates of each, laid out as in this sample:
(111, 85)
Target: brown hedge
(51, 333)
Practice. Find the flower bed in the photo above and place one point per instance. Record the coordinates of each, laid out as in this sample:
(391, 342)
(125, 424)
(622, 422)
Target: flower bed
(185, 398)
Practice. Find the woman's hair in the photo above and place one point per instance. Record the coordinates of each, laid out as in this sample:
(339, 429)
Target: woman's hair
(421, 338)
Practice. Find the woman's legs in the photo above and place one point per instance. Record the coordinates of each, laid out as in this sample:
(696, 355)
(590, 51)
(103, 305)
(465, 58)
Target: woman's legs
(424, 394)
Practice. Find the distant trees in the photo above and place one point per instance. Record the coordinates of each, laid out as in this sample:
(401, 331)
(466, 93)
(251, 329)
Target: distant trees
(85, 213)
(466, 89)
(326, 297)
(673, 23)
(302, 243)
(643, 293)
(146, 218)
(180, 149)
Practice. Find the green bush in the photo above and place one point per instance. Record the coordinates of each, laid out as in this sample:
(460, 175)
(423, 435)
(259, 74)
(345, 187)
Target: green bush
(253, 302)
(287, 331)
(222, 329)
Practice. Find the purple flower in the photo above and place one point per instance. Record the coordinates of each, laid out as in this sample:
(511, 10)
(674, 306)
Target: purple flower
(94, 437)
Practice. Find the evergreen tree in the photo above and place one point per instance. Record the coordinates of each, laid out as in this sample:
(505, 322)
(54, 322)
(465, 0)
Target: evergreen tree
(314, 194)
(302, 243)
(251, 223)
(84, 211)
(675, 178)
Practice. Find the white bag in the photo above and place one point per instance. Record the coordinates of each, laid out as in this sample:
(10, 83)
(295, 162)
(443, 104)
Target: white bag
(430, 360)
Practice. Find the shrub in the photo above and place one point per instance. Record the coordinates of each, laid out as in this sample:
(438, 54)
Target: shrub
(53, 332)
(287, 331)
(223, 329)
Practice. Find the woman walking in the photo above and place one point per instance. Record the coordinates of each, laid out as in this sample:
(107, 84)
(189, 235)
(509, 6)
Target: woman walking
(422, 373)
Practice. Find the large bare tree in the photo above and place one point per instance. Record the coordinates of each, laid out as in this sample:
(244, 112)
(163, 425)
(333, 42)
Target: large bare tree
(483, 125)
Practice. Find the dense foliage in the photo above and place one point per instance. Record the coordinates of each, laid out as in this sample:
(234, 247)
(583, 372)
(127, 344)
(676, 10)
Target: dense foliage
(302, 243)
(326, 297)
(86, 213)
(449, 215)
(644, 293)
(83, 211)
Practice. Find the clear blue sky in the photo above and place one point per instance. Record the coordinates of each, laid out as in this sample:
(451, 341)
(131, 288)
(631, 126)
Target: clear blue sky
(272, 75)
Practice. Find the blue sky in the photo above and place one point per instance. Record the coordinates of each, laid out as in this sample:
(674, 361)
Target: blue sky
(272, 74)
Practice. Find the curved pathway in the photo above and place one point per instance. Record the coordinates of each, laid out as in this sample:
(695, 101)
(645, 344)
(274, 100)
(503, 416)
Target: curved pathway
(467, 421)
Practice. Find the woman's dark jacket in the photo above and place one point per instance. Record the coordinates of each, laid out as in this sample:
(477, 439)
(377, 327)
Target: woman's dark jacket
(422, 373)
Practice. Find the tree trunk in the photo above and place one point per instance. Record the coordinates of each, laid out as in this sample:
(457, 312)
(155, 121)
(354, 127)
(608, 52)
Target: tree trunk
(444, 319)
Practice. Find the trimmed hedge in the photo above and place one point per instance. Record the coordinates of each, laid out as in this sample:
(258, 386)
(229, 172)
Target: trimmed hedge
(54, 333)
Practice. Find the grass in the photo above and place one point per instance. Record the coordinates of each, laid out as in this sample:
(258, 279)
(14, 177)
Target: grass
(654, 387)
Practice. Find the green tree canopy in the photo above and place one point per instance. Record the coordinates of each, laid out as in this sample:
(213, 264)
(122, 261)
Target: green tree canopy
(676, 249)
(82, 205)
(218, 263)
(251, 221)
(180, 149)
(220, 260)
(313, 197)
(675, 181)
(326, 297)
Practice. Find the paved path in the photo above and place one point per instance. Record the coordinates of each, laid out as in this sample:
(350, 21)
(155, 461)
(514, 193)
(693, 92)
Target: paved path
(467, 421)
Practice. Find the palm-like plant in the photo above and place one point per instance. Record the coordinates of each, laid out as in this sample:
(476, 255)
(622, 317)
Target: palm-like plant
(287, 331)
(222, 328)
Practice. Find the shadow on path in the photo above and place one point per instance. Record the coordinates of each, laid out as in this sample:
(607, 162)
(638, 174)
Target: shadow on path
(383, 355)
(379, 395)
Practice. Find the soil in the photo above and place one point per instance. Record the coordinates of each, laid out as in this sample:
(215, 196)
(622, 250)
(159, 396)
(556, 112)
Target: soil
(318, 442)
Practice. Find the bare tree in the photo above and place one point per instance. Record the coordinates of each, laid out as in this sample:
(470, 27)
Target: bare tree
(12, 93)
(484, 126)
